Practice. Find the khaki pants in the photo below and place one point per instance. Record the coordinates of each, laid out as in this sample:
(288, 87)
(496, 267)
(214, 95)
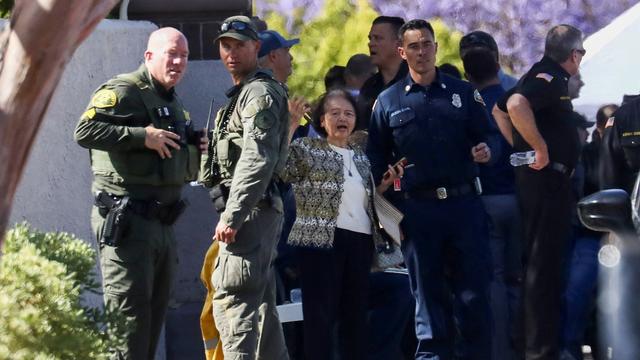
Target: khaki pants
(244, 281)
(136, 279)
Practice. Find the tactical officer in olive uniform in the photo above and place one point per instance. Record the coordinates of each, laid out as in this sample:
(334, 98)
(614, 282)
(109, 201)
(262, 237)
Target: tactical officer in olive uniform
(248, 151)
(143, 149)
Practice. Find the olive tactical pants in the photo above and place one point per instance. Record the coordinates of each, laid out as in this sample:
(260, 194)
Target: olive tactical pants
(244, 306)
(136, 279)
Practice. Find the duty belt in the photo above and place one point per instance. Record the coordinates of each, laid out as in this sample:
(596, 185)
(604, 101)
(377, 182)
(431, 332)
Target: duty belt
(220, 194)
(561, 168)
(441, 193)
(149, 209)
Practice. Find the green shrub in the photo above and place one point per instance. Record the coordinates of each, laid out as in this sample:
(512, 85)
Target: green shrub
(42, 316)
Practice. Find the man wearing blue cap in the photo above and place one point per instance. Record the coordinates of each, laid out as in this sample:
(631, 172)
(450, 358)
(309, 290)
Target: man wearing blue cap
(274, 54)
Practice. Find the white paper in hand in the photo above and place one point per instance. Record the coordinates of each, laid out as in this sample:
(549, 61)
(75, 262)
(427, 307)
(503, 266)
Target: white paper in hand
(388, 216)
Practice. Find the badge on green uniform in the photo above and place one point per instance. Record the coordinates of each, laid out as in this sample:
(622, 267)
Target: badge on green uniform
(104, 98)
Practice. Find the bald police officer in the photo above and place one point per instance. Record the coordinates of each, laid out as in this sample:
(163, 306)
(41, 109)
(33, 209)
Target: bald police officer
(143, 149)
(250, 146)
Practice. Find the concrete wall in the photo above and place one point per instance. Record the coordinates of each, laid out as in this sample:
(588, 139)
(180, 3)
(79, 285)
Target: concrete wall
(54, 192)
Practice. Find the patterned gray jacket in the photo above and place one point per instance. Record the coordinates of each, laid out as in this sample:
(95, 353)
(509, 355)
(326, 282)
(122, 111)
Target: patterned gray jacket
(315, 172)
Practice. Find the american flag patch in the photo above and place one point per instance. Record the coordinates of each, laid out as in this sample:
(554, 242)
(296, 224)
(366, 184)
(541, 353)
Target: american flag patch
(610, 122)
(545, 76)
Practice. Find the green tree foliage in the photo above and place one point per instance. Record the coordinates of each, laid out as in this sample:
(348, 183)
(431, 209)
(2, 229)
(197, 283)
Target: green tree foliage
(42, 277)
(5, 8)
(331, 38)
(339, 31)
(448, 44)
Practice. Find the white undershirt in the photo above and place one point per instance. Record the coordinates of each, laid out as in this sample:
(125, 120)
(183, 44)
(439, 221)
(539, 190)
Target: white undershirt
(352, 213)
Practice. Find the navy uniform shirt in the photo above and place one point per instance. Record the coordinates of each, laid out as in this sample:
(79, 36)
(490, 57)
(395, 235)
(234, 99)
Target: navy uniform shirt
(545, 87)
(497, 176)
(370, 91)
(434, 127)
(620, 158)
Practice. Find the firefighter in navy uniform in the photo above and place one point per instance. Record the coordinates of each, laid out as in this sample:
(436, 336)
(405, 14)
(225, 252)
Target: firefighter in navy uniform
(539, 110)
(439, 124)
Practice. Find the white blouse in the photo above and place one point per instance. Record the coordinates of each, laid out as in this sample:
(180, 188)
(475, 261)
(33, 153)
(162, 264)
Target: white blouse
(352, 213)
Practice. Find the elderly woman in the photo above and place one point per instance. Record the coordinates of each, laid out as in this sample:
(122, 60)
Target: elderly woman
(333, 231)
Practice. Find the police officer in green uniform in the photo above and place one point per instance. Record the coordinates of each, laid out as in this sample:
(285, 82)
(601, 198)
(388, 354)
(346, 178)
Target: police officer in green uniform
(143, 149)
(249, 149)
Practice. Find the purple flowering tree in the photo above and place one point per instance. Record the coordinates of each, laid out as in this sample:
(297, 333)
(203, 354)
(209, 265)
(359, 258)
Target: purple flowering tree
(519, 26)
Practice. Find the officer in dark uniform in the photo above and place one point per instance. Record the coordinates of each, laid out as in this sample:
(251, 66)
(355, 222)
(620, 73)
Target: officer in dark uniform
(143, 150)
(619, 166)
(439, 124)
(541, 112)
(620, 158)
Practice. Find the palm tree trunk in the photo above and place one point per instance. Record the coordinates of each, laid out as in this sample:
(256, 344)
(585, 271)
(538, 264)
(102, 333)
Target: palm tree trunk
(35, 47)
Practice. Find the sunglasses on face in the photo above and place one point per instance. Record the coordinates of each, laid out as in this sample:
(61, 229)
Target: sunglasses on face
(235, 25)
(581, 51)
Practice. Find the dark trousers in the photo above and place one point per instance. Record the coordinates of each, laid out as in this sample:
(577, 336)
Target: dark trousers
(579, 294)
(391, 309)
(335, 285)
(505, 239)
(546, 201)
(446, 251)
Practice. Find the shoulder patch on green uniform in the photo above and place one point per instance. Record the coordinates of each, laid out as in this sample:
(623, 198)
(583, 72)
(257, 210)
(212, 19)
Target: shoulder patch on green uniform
(256, 105)
(545, 76)
(477, 97)
(104, 98)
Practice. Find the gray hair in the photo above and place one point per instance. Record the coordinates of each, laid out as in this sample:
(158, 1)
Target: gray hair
(561, 41)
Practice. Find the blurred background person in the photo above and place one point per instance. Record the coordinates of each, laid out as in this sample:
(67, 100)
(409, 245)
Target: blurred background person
(481, 39)
(450, 70)
(501, 204)
(359, 68)
(383, 49)
(334, 78)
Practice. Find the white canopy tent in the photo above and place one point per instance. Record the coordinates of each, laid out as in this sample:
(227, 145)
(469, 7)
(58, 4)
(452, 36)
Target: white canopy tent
(611, 67)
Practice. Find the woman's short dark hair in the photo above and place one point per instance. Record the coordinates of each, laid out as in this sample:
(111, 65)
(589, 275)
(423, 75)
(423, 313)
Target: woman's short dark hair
(319, 109)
